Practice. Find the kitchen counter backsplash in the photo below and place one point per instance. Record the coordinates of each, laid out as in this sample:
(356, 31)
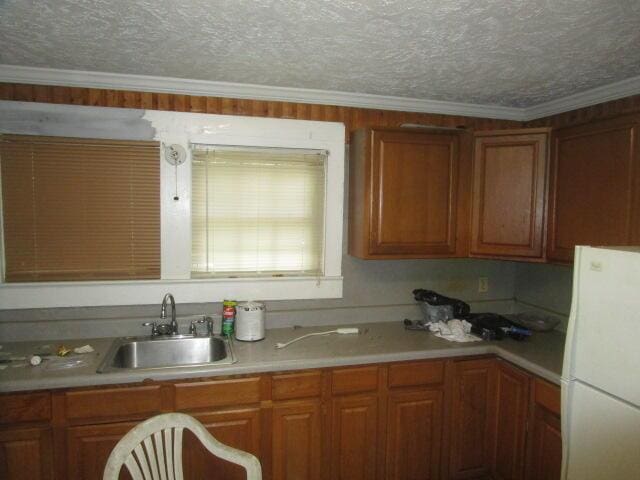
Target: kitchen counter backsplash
(32, 325)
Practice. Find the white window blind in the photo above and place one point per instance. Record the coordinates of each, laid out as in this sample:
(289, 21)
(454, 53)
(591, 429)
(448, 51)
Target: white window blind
(257, 211)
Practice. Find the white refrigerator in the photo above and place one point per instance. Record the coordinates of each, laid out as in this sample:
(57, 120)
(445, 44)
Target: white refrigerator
(601, 370)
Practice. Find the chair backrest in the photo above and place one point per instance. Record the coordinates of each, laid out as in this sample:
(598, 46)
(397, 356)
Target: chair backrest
(152, 450)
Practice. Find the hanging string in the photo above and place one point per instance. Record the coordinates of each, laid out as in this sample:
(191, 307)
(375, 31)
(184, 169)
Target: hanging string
(176, 197)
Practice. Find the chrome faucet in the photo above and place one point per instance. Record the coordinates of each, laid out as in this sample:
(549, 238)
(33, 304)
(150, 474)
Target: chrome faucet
(173, 326)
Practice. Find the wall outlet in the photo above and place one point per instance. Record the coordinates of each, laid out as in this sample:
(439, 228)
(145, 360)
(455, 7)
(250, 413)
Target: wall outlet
(483, 285)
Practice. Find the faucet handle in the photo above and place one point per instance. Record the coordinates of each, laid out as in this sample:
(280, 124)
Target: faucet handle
(154, 327)
(193, 329)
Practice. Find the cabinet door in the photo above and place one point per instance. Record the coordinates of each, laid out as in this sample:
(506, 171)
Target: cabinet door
(595, 187)
(414, 434)
(89, 447)
(414, 178)
(472, 418)
(297, 440)
(545, 461)
(354, 437)
(512, 390)
(509, 186)
(239, 428)
(26, 454)
(545, 440)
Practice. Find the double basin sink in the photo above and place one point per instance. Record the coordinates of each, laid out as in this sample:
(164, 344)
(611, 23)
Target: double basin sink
(136, 353)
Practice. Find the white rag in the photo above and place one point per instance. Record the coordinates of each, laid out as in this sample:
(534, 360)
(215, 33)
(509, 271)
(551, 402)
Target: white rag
(454, 331)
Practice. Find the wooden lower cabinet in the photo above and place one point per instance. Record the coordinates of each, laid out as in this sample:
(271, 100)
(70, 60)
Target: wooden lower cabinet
(26, 454)
(297, 440)
(414, 435)
(508, 449)
(478, 418)
(472, 418)
(545, 461)
(239, 428)
(354, 437)
(89, 447)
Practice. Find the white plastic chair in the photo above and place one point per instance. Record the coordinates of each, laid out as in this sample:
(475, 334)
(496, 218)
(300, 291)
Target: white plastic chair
(152, 450)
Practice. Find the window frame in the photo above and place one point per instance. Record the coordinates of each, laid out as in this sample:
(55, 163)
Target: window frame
(175, 224)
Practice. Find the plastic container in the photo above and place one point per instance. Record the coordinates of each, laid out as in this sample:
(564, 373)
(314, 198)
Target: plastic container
(439, 313)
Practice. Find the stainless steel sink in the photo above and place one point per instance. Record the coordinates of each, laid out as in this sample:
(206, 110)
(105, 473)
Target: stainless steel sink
(136, 353)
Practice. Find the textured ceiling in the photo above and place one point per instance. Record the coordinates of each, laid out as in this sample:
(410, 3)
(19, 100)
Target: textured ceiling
(504, 52)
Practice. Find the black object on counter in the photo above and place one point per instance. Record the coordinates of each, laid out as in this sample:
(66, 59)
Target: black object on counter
(460, 308)
(491, 326)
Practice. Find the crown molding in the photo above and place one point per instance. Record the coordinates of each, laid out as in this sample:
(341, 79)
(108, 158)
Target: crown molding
(77, 78)
(145, 83)
(605, 93)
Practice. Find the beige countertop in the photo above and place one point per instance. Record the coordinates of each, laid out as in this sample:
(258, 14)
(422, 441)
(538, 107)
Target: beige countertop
(542, 355)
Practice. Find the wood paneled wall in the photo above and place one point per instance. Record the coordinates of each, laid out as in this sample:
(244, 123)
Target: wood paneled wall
(353, 118)
(588, 114)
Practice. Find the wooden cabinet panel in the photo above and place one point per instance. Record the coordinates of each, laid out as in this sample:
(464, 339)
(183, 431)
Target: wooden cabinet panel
(595, 186)
(217, 393)
(408, 374)
(114, 403)
(414, 435)
(472, 418)
(297, 440)
(25, 407)
(239, 428)
(509, 187)
(354, 380)
(404, 194)
(26, 454)
(354, 438)
(545, 460)
(512, 401)
(89, 447)
(296, 385)
(546, 395)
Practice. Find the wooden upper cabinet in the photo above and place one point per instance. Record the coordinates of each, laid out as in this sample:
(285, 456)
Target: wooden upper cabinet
(594, 186)
(509, 190)
(404, 194)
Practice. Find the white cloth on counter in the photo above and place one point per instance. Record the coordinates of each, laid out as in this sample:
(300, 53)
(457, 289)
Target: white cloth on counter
(454, 331)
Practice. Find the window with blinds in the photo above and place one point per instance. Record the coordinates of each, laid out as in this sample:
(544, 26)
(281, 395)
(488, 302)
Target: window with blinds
(80, 209)
(257, 211)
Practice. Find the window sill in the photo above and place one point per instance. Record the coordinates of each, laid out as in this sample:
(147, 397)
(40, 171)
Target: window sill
(148, 292)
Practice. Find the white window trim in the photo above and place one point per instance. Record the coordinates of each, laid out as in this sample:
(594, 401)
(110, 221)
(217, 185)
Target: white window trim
(184, 129)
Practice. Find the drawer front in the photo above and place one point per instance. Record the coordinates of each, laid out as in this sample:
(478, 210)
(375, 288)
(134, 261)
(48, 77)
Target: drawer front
(25, 407)
(114, 402)
(547, 395)
(217, 393)
(416, 373)
(296, 385)
(354, 380)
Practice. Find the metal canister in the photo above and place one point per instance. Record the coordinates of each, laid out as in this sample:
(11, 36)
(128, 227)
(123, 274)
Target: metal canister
(228, 317)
